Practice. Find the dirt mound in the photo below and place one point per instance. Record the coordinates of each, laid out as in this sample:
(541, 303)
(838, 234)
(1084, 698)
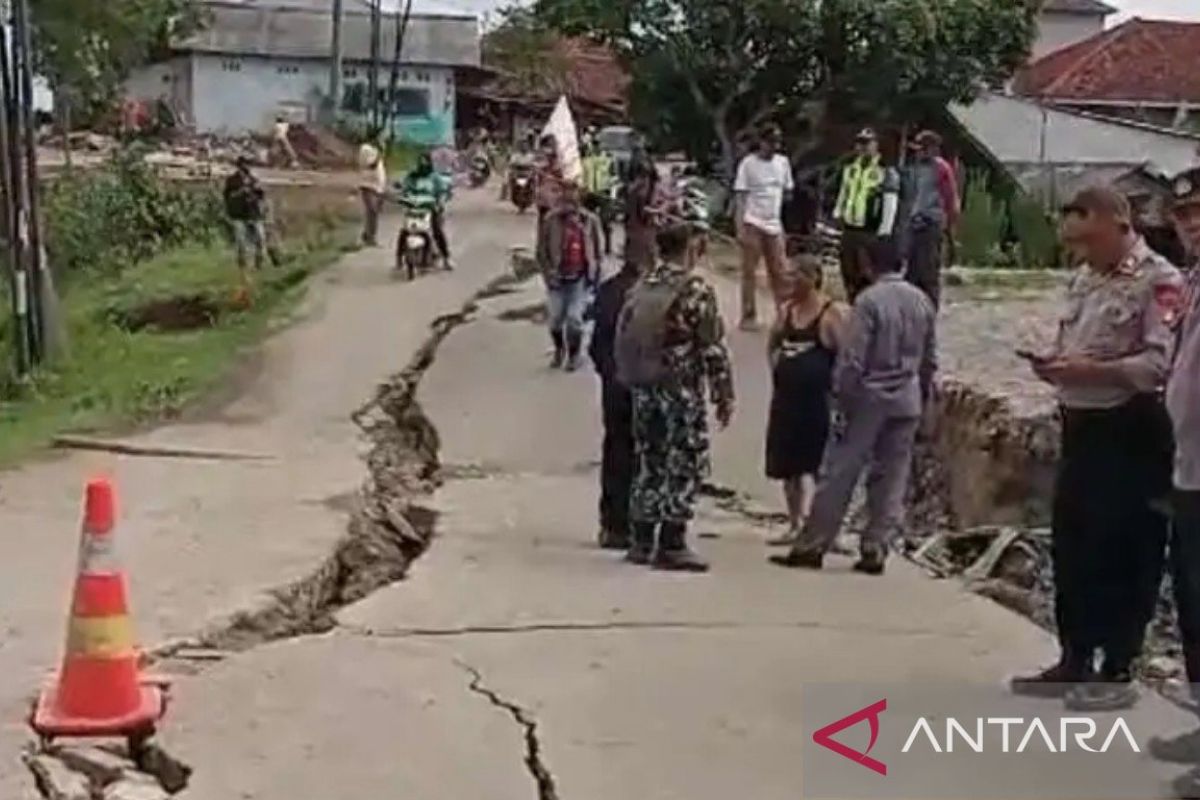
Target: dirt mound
(321, 148)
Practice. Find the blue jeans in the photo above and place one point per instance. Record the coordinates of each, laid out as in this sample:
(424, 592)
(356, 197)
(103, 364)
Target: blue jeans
(566, 305)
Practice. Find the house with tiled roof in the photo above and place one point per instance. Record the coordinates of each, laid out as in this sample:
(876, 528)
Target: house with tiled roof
(1143, 70)
(1065, 22)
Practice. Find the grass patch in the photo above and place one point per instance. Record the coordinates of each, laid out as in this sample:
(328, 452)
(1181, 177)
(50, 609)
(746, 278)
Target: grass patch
(115, 377)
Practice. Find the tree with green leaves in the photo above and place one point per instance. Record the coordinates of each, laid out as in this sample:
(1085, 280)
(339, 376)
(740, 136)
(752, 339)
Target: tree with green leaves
(528, 52)
(737, 63)
(88, 48)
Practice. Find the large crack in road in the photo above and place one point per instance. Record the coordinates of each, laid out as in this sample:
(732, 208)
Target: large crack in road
(389, 528)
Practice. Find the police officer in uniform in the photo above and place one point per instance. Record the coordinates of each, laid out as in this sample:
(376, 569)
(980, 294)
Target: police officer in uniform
(1109, 529)
(1183, 403)
(867, 203)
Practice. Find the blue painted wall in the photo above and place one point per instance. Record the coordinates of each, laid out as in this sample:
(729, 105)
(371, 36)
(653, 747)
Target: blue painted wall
(235, 94)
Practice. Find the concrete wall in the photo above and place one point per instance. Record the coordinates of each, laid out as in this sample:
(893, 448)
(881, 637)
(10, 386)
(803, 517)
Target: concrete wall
(1057, 30)
(171, 80)
(232, 94)
(1022, 132)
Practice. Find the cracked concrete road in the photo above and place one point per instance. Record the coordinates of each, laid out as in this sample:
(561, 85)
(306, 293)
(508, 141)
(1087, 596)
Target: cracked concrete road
(518, 661)
(203, 539)
(587, 679)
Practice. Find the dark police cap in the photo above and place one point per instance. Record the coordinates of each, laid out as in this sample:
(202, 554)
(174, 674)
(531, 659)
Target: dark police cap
(1185, 189)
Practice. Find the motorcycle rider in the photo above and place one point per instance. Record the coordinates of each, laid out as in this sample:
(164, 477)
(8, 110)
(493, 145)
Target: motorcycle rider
(425, 187)
(522, 162)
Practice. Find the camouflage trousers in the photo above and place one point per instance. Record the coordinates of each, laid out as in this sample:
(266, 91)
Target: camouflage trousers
(671, 446)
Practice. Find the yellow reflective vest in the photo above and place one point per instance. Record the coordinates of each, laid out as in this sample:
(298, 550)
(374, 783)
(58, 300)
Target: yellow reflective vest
(598, 174)
(862, 180)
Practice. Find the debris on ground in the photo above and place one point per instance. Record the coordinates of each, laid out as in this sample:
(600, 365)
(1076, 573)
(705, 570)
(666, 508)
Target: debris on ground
(84, 772)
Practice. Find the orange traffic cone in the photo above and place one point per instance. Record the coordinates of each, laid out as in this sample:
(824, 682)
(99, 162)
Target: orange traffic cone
(99, 691)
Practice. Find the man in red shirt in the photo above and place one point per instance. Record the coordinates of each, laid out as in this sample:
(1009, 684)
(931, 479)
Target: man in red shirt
(570, 254)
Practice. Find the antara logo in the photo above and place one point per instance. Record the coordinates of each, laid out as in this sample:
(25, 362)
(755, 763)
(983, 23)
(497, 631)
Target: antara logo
(824, 737)
(1016, 735)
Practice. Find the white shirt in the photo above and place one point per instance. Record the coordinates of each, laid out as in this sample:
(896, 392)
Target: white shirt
(371, 169)
(764, 182)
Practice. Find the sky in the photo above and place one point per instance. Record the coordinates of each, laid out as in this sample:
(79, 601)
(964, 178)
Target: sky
(1160, 9)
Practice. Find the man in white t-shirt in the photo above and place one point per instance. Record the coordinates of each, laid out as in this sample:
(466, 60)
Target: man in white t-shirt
(764, 181)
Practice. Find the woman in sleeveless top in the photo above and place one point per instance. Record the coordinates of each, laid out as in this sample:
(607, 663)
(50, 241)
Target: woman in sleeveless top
(802, 349)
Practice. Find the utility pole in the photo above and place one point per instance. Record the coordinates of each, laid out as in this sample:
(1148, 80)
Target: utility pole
(373, 75)
(335, 63)
(39, 325)
(401, 31)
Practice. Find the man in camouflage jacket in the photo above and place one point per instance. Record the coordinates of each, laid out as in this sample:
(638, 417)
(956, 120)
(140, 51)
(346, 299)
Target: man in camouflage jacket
(671, 420)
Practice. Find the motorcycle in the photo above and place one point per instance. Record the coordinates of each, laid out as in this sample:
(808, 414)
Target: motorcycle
(415, 246)
(481, 170)
(520, 189)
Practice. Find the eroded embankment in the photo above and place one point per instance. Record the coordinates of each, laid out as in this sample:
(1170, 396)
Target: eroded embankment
(982, 489)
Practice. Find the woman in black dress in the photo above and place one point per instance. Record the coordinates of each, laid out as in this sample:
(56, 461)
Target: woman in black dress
(802, 348)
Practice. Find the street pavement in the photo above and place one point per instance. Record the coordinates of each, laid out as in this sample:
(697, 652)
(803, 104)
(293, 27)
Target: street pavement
(202, 540)
(517, 660)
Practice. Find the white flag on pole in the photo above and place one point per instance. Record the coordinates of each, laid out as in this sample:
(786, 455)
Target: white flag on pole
(562, 127)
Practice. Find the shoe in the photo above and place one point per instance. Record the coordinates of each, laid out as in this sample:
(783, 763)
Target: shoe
(870, 565)
(673, 554)
(1187, 785)
(560, 350)
(1182, 749)
(748, 324)
(787, 540)
(574, 350)
(1052, 683)
(641, 549)
(1120, 695)
(610, 539)
(800, 559)
(447, 265)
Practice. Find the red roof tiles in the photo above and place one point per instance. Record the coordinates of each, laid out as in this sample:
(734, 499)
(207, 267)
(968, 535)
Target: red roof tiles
(1138, 61)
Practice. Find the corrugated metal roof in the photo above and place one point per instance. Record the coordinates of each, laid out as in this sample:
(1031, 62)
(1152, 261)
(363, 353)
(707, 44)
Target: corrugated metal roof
(1078, 7)
(303, 29)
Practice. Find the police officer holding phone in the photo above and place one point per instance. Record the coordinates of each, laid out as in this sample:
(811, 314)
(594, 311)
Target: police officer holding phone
(1109, 530)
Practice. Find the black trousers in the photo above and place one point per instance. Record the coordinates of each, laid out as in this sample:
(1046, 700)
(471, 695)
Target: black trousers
(437, 221)
(618, 464)
(923, 255)
(1108, 536)
(601, 206)
(855, 257)
(1185, 579)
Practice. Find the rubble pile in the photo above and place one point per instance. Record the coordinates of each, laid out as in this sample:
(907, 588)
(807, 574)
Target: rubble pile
(107, 772)
(321, 148)
(980, 510)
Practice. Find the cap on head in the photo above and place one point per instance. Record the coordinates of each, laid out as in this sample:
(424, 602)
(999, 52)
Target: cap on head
(1102, 201)
(242, 162)
(866, 135)
(1185, 189)
(928, 138)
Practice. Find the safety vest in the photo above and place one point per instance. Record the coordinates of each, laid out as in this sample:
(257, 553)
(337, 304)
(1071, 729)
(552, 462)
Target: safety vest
(861, 183)
(597, 174)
